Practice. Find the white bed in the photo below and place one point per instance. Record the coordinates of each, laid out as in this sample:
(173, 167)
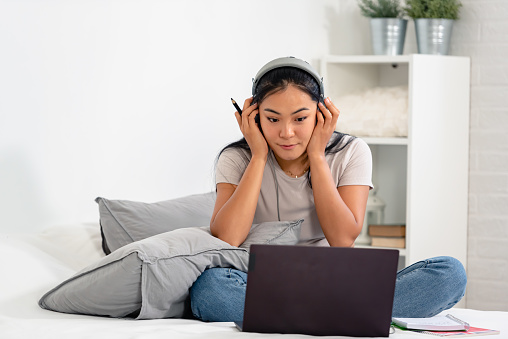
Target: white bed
(35, 263)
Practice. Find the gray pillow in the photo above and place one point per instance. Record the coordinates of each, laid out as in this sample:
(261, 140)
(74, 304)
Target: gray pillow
(150, 279)
(123, 221)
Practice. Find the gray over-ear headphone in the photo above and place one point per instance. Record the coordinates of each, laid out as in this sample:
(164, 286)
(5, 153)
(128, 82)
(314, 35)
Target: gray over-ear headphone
(289, 62)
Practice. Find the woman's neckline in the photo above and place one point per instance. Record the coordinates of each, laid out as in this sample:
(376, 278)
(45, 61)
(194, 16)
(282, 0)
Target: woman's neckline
(280, 170)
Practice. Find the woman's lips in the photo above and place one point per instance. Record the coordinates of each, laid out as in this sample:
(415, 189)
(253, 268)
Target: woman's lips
(288, 147)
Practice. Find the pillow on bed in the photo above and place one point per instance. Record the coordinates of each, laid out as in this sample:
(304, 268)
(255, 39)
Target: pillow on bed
(150, 279)
(123, 221)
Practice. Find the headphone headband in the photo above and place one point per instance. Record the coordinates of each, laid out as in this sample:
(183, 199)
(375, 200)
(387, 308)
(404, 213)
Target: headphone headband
(289, 62)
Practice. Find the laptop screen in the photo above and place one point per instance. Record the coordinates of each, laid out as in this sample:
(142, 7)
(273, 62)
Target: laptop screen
(320, 290)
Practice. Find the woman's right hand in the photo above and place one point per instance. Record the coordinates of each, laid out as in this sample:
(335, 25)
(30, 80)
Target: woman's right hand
(250, 129)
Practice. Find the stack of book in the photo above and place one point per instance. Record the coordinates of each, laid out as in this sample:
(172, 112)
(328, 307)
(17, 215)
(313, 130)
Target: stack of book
(384, 235)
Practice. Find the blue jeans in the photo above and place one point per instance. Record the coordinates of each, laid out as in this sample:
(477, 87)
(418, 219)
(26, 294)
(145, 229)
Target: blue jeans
(423, 289)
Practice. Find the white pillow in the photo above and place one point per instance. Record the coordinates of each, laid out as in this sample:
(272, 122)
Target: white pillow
(376, 112)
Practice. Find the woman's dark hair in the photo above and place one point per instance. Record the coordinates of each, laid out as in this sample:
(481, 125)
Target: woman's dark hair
(278, 80)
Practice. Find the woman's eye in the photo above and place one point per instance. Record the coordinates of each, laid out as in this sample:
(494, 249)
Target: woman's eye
(272, 119)
(301, 119)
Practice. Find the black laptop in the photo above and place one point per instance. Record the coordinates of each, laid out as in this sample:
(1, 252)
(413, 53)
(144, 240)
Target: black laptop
(320, 290)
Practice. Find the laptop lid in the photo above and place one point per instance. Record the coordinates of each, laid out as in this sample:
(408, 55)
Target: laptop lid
(320, 290)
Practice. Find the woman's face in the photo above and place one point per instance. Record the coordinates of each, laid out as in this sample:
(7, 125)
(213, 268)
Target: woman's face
(288, 119)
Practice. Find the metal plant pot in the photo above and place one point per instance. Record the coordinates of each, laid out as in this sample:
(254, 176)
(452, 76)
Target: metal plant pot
(433, 35)
(388, 35)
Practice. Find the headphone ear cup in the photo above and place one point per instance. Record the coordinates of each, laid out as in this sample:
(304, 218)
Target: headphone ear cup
(256, 118)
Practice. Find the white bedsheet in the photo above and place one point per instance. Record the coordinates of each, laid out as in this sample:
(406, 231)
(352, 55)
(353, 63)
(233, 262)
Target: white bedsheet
(33, 264)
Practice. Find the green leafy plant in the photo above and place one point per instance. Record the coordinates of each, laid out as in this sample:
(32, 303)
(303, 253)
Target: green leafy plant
(433, 9)
(381, 8)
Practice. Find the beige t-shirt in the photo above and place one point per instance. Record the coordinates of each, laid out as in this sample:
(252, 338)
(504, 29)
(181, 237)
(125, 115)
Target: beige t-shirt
(350, 166)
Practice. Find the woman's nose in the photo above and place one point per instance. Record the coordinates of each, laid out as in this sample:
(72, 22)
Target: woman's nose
(287, 132)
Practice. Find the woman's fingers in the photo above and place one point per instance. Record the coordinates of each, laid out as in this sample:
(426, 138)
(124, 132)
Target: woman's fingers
(332, 108)
(252, 117)
(249, 128)
(331, 112)
(324, 115)
(246, 120)
(250, 114)
(247, 103)
(249, 109)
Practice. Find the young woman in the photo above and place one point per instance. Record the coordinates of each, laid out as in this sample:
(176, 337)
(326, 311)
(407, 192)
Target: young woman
(291, 164)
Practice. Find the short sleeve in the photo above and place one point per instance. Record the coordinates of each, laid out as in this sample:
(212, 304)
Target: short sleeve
(358, 168)
(231, 165)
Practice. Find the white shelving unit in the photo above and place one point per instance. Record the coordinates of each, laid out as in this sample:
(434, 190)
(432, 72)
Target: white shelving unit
(423, 178)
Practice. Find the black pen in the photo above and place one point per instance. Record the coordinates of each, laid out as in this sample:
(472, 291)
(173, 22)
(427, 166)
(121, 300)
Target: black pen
(236, 106)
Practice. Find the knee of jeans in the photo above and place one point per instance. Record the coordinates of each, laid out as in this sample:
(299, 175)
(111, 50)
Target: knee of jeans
(204, 289)
(456, 274)
(209, 281)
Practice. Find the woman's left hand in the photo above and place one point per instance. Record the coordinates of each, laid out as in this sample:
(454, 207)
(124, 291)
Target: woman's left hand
(326, 122)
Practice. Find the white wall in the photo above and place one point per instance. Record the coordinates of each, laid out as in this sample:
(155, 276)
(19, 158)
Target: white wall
(481, 34)
(130, 100)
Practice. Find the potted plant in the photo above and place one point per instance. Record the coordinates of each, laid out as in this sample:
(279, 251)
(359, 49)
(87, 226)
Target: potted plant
(433, 23)
(388, 28)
